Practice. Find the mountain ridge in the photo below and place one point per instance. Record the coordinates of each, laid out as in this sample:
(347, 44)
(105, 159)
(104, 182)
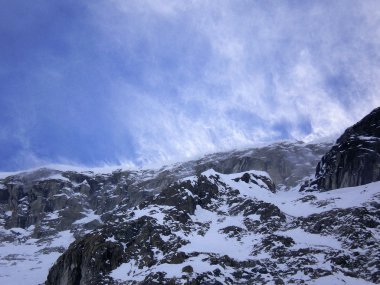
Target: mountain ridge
(235, 227)
(268, 208)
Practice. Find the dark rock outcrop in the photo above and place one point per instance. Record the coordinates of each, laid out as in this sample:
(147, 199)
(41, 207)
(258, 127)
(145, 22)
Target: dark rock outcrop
(83, 263)
(354, 159)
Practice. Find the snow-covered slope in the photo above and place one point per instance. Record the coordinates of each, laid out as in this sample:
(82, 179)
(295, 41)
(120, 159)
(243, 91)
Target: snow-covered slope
(209, 221)
(233, 229)
(42, 211)
(26, 260)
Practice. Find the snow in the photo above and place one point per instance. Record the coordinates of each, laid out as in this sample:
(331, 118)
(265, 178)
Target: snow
(193, 179)
(214, 241)
(24, 263)
(155, 212)
(89, 217)
(198, 264)
(188, 192)
(62, 195)
(304, 239)
(366, 138)
(130, 271)
(111, 239)
(251, 190)
(289, 201)
(339, 279)
(165, 238)
(84, 182)
(101, 170)
(56, 177)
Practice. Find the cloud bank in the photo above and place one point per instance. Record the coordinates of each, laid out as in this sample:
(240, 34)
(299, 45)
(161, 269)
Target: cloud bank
(152, 82)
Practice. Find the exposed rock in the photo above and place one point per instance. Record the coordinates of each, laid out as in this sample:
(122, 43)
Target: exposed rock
(86, 265)
(34, 197)
(150, 230)
(354, 159)
(256, 242)
(286, 163)
(188, 269)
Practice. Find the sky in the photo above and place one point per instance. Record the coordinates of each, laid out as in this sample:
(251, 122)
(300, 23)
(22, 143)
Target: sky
(139, 83)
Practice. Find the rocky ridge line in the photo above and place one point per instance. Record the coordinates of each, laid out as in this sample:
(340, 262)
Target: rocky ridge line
(229, 229)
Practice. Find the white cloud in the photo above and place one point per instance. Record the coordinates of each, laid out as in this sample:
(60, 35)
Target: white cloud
(165, 133)
(303, 96)
(277, 63)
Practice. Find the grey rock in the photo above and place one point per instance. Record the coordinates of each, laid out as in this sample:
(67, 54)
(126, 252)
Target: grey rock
(354, 159)
(142, 237)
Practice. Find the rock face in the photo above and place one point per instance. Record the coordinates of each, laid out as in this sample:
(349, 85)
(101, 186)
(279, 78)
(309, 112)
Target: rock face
(84, 258)
(51, 208)
(231, 229)
(52, 199)
(286, 163)
(354, 159)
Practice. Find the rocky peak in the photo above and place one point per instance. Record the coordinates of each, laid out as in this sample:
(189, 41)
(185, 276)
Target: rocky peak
(366, 128)
(354, 159)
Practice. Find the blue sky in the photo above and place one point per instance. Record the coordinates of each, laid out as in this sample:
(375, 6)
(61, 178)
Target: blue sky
(151, 82)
